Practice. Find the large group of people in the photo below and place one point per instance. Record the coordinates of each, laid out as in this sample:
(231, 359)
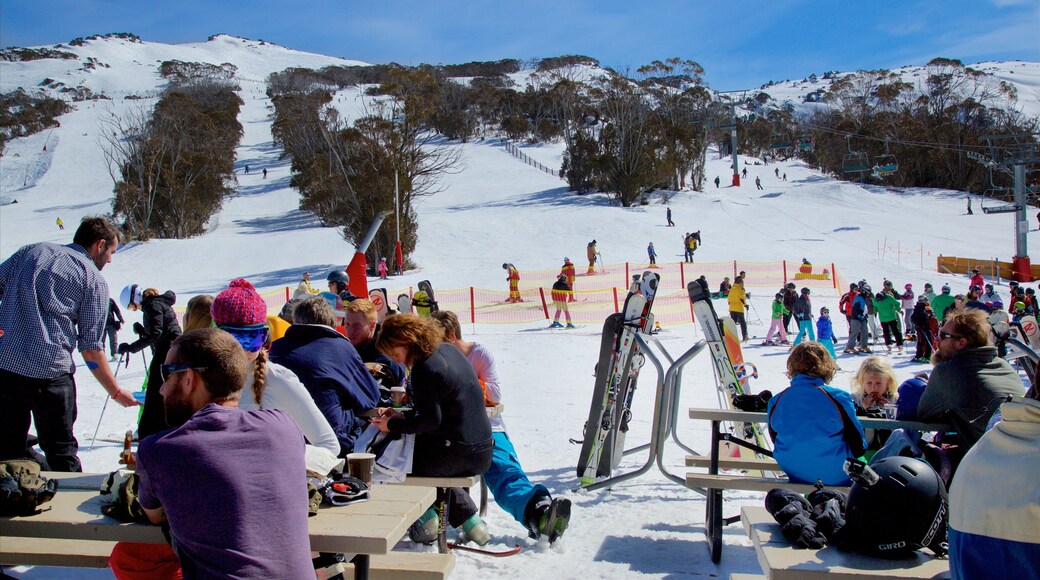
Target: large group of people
(247, 415)
(247, 406)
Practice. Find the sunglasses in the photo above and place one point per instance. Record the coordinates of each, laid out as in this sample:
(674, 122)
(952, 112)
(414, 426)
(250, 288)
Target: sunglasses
(946, 335)
(165, 371)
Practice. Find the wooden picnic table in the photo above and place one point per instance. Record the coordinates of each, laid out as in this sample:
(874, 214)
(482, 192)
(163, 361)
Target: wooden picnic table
(782, 561)
(714, 484)
(363, 529)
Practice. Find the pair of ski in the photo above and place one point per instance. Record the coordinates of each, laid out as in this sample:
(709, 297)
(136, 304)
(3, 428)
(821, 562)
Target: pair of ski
(616, 375)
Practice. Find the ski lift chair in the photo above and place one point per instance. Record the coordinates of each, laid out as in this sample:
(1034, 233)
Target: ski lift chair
(994, 200)
(855, 162)
(805, 143)
(885, 165)
(779, 142)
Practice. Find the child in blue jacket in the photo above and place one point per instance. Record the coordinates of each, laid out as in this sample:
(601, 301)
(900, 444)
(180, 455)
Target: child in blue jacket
(825, 331)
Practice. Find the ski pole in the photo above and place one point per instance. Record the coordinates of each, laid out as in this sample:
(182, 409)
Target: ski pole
(105, 406)
(755, 310)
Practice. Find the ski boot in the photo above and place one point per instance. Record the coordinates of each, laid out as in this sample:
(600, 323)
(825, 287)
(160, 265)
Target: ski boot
(556, 324)
(548, 517)
(426, 529)
(475, 529)
(569, 325)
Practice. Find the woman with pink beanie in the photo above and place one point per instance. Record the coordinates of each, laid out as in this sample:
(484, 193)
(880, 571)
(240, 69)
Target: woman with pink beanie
(240, 311)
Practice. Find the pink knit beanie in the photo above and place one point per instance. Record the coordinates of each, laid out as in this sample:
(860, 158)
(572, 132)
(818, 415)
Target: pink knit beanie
(239, 305)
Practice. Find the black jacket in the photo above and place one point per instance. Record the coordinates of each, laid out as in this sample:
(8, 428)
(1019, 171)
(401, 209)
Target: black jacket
(115, 316)
(160, 322)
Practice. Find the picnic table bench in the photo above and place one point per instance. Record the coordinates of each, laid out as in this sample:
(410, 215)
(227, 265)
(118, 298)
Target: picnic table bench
(771, 477)
(782, 561)
(74, 517)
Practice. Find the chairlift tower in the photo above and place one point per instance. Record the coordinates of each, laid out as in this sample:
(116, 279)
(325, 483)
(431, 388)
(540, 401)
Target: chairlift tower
(732, 104)
(1012, 154)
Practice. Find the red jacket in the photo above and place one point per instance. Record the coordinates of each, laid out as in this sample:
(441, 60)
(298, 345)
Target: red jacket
(845, 305)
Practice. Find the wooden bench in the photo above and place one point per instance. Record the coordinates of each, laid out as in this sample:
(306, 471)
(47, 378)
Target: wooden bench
(442, 483)
(19, 551)
(746, 463)
(740, 482)
(782, 561)
(740, 576)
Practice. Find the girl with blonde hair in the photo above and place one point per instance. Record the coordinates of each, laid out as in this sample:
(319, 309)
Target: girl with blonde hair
(874, 385)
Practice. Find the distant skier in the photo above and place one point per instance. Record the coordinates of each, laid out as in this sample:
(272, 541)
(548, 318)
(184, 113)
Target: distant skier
(383, 268)
(969, 206)
(514, 283)
(561, 295)
(592, 253)
(802, 313)
(743, 172)
(724, 287)
(758, 182)
(737, 300)
(717, 186)
(777, 171)
(668, 216)
(785, 177)
(569, 273)
(60, 224)
(652, 254)
(247, 170)
(265, 173)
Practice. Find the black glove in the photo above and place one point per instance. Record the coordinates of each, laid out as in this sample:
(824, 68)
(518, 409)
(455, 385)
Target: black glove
(791, 510)
(124, 348)
(752, 403)
(829, 517)
(138, 329)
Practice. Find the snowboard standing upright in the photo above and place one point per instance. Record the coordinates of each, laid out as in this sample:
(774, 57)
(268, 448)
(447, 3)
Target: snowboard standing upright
(404, 304)
(424, 301)
(616, 373)
(727, 358)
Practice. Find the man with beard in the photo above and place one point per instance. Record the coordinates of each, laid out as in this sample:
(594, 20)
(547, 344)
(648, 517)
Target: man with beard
(223, 477)
(969, 378)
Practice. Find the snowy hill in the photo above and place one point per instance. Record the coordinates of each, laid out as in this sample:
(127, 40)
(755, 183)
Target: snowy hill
(495, 210)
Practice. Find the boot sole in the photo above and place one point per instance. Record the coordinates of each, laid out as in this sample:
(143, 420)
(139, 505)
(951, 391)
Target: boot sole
(560, 510)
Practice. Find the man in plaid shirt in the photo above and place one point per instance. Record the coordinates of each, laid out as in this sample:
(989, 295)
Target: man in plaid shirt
(53, 299)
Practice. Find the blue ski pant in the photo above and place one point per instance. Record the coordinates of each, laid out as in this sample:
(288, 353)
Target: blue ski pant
(829, 345)
(507, 480)
(805, 326)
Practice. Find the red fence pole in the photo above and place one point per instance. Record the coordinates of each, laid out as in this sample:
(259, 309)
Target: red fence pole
(626, 275)
(545, 307)
(472, 307)
(834, 275)
(682, 274)
(286, 293)
(616, 308)
(734, 269)
(785, 271)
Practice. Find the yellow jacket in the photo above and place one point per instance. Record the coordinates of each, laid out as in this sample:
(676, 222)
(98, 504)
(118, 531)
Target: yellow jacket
(737, 298)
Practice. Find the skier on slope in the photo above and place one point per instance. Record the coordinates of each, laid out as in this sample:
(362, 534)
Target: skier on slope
(652, 254)
(976, 279)
(561, 295)
(592, 253)
(803, 314)
(776, 323)
(569, 273)
(513, 278)
(737, 300)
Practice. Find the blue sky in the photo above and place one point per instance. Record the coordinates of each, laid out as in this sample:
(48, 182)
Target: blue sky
(740, 43)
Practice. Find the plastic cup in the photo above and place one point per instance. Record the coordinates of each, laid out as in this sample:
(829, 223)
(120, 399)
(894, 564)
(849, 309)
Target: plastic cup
(890, 411)
(361, 466)
(397, 396)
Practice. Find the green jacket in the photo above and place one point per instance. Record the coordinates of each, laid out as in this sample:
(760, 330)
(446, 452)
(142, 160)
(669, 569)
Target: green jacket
(888, 309)
(940, 304)
(778, 310)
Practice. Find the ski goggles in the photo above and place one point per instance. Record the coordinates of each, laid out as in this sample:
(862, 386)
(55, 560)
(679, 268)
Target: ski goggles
(252, 338)
(344, 491)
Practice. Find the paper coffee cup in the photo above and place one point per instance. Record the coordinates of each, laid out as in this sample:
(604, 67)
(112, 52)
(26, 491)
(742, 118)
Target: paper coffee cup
(890, 411)
(361, 466)
(397, 395)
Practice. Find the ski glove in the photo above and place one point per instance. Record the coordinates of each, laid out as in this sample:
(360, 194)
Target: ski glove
(124, 348)
(791, 510)
(125, 505)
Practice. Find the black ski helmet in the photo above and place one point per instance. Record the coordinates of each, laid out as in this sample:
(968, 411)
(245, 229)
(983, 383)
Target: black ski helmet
(779, 296)
(905, 510)
(339, 277)
(805, 290)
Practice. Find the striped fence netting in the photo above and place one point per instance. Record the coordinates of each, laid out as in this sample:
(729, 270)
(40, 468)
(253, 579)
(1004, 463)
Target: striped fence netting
(599, 294)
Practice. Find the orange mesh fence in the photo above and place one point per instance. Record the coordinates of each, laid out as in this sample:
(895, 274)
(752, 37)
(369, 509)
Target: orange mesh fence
(600, 294)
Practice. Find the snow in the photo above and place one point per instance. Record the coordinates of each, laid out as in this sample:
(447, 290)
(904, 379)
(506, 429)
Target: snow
(495, 210)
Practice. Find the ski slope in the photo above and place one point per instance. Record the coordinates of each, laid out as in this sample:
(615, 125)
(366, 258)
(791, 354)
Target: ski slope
(496, 209)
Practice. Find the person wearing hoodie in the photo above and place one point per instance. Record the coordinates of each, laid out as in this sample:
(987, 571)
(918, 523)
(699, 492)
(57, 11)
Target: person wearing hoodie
(803, 314)
(990, 295)
(569, 273)
(888, 311)
(776, 324)
(976, 279)
(928, 293)
(921, 317)
(942, 303)
(858, 334)
(159, 328)
(906, 301)
(825, 331)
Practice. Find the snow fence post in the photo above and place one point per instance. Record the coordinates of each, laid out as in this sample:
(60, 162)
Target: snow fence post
(472, 307)
(545, 307)
(834, 277)
(627, 278)
(734, 270)
(616, 309)
(682, 274)
(286, 293)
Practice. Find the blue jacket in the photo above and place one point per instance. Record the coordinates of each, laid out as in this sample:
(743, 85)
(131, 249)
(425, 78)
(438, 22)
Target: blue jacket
(909, 395)
(331, 369)
(824, 328)
(808, 443)
(859, 308)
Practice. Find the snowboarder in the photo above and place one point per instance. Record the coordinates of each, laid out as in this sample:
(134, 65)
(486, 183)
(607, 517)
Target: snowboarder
(758, 182)
(717, 186)
(569, 273)
(592, 253)
(60, 224)
(652, 254)
(382, 269)
(668, 216)
(969, 207)
(514, 283)
(561, 295)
